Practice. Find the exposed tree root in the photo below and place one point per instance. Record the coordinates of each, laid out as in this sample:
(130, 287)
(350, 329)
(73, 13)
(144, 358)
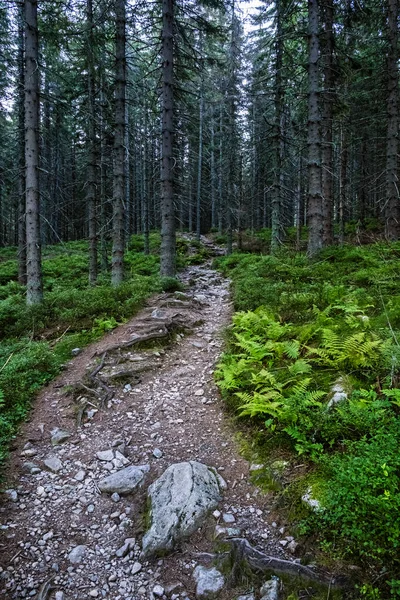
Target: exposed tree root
(243, 553)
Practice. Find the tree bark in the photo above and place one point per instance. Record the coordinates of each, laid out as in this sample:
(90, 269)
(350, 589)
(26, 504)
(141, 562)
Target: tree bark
(212, 174)
(276, 204)
(327, 130)
(21, 151)
(200, 163)
(34, 294)
(92, 147)
(392, 211)
(117, 268)
(315, 216)
(168, 236)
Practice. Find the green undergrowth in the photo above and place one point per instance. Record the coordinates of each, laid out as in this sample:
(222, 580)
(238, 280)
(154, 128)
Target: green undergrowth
(306, 334)
(36, 341)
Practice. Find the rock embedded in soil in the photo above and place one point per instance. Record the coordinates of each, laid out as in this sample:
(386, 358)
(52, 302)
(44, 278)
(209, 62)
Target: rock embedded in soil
(270, 589)
(105, 455)
(11, 495)
(53, 463)
(124, 481)
(77, 554)
(209, 582)
(59, 436)
(180, 501)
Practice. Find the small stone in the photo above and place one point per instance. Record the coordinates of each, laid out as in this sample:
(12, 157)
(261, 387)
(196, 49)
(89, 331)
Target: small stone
(158, 591)
(173, 587)
(292, 546)
(115, 497)
(59, 596)
(127, 388)
(216, 514)
(105, 455)
(157, 453)
(80, 476)
(75, 351)
(233, 531)
(283, 543)
(270, 589)
(53, 463)
(228, 518)
(59, 436)
(124, 481)
(199, 392)
(77, 554)
(29, 467)
(246, 597)
(29, 452)
(11, 495)
(136, 567)
(93, 593)
(209, 582)
(312, 502)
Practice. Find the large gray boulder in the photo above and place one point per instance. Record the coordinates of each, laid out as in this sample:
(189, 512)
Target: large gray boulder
(180, 501)
(209, 582)
(124, 481)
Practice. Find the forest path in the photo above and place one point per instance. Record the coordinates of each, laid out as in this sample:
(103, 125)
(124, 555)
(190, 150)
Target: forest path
(162, 407)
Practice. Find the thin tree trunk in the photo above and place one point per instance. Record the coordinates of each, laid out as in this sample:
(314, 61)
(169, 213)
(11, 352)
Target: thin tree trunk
(91, 143)
(212, 174)
(327, 130)
(21, 151)
(145, 194)
(33, 246)
(343, 182)
(392, 212)
(168, 235)
(315, 217)
(276, 205)
(117, 267)
(103, 180)
(200, 155)
(221, 174)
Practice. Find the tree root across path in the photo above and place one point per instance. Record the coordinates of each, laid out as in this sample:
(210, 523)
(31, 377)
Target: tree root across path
(243, 552)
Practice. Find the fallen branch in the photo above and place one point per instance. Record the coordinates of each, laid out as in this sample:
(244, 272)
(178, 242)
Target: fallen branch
(257, 560)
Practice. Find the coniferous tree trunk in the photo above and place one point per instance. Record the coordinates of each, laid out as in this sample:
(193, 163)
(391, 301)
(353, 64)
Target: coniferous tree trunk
(315, 217)
(199, 164)
(168, 236)
(392, 212)
(145, 193)
(33, 245)
(117, 268)
(327, 127)
(212, 174)
(21, 151)
(276, 204)
(91, 143)
(200, 154)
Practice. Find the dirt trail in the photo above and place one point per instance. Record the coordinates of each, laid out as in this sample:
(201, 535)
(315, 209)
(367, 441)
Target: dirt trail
(166, 412)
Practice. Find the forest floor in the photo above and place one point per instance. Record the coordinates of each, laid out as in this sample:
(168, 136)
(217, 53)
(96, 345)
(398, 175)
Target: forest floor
(160, 406)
